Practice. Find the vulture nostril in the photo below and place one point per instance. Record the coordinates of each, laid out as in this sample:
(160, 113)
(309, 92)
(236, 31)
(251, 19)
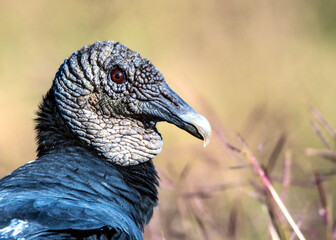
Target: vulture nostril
(170, 98)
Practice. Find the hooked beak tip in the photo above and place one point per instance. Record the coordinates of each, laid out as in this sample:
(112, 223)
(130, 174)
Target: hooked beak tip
(200, 123)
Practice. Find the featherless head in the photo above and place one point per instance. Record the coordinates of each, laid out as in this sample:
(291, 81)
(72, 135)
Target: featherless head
(111, 98)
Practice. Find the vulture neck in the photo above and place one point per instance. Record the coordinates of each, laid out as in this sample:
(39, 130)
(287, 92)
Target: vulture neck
(142, 180)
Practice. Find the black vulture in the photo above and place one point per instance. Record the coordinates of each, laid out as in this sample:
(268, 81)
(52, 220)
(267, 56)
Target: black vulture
(96, 130)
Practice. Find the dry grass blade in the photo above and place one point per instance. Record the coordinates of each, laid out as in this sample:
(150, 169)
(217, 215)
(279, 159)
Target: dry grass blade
(296, 182)
(320, 135)
(272, 231)
(184, 173)
(265, 180)
(204, 214)
(208, 191)
(323, 122)
(323, 198)
(233, 148)
(275, 153)
(324, 153)
(233, 219)
(274, 221)
(239, 167)
(201, 226)
(286, 176)
(293, 235)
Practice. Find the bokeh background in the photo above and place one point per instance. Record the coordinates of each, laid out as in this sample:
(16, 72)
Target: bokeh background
(252, 67)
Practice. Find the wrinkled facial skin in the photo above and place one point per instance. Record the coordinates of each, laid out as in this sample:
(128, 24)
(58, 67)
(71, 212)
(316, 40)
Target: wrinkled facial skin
(118, 119)
(142, 82)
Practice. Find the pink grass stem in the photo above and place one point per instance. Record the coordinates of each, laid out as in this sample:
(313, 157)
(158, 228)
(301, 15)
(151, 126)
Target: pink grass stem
(270, 188)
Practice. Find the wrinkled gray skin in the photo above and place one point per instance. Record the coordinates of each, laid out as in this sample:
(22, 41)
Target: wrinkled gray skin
(118, 120)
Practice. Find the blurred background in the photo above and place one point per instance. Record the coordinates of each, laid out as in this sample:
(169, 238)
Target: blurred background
(250, 67)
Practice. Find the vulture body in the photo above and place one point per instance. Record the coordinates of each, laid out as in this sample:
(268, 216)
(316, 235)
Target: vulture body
(94, 177)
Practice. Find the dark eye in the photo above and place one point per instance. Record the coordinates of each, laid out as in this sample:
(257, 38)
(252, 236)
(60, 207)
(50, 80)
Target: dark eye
(117, 76)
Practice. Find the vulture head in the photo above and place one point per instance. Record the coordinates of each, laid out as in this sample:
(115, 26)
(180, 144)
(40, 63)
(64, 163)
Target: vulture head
(111, 99)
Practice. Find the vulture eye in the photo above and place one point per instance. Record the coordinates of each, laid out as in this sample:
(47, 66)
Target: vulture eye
(117, 76)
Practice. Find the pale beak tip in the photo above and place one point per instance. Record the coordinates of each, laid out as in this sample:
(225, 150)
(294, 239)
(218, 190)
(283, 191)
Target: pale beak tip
(201, 124)
(206, 141)
(206, 135)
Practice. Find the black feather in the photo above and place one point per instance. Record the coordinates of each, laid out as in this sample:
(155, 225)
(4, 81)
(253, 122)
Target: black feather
(70, 192)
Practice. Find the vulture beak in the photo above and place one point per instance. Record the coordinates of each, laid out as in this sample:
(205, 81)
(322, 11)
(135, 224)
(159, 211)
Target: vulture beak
(172, 108)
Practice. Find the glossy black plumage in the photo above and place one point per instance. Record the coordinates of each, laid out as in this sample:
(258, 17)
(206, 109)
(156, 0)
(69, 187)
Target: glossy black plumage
(69, 192)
